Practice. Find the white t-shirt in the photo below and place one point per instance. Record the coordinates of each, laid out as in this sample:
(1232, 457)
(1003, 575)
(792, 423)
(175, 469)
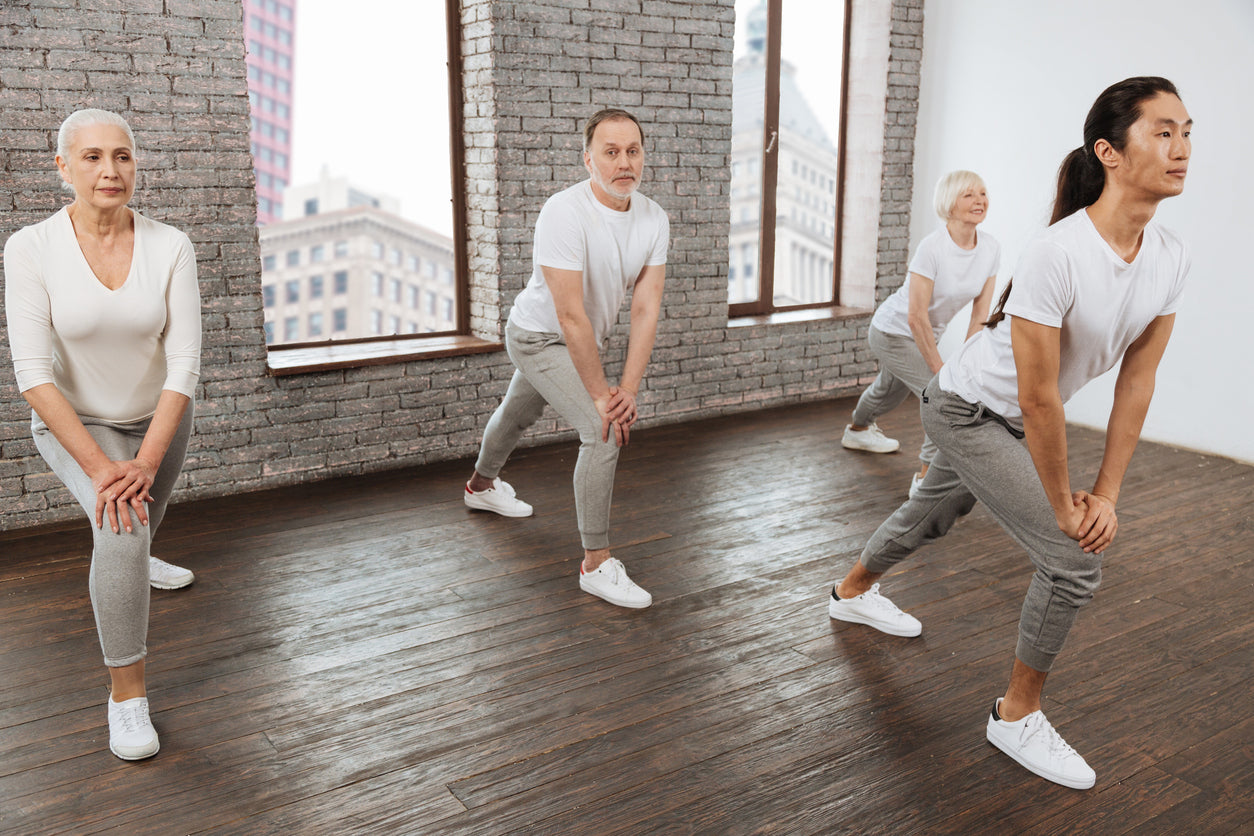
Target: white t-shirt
(958, 276)
(578, 232)
(109, 352)
(1070, 278)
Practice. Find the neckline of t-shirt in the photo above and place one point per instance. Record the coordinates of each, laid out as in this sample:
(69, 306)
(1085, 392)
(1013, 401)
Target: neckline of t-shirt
(953, 245)
(1114, 256)
(607, 212)
(135, 221)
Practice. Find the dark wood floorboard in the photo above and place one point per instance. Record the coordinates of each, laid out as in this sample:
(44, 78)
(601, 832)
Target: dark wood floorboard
(367, 656)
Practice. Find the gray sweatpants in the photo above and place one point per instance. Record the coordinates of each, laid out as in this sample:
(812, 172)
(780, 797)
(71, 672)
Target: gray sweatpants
(546, 374)
(118, 581)
(981, 457)
(903, 371)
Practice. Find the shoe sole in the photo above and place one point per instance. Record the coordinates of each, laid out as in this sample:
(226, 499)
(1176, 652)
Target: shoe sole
(135, 757)
(854, 618)
(156, 585)
(497, 510)
(848, 446)
(617, 603)
(1054, 777)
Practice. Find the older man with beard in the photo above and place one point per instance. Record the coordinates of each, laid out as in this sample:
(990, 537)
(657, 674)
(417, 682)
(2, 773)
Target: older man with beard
(593, 242)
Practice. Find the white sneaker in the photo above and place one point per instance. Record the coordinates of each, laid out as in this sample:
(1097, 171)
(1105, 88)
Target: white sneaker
(499, 499)
(870, 439)
(162, 575)
(131, 735)
(1038, 748)
(610, 582)
(915, 481)
(874, 610)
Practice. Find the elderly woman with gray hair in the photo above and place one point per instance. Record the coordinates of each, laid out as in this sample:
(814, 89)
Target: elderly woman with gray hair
(104, 325)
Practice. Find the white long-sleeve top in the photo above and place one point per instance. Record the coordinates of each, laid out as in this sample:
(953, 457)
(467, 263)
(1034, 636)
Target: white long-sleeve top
(109, 352)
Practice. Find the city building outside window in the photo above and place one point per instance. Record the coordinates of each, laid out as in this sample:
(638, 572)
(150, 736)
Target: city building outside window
(786, 162)
(383, 259)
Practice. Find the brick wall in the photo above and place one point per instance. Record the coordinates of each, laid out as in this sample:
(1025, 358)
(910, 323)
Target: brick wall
(534, 69)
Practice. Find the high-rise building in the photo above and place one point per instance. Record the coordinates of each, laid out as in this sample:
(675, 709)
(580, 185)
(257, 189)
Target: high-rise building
(805, 230)
(270, 32)
(343, 265)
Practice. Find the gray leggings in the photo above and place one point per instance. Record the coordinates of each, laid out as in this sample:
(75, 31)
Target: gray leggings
(903, 372)
(546, 374)
(981, 457)
(118, 581)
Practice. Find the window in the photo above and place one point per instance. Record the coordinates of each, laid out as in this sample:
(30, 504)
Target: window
(315, 324)
(293, 258)
(378, 301)
(292, 291)
(267, 296)
(291, 329)
(791, 71)
(269, 263)
(268, 330)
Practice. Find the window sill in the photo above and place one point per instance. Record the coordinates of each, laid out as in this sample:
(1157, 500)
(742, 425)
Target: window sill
(835, 312)
(302, 359)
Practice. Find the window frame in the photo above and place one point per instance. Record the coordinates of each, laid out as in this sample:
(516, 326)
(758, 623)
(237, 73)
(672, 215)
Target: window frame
(765, 305)
(341, 353)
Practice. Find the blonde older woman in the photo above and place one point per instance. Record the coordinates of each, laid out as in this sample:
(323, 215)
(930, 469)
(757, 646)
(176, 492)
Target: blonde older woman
(953, 267)
(104, 325)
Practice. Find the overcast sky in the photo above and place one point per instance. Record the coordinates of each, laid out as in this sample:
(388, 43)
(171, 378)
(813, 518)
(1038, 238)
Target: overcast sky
(371, 92)
(371, 101)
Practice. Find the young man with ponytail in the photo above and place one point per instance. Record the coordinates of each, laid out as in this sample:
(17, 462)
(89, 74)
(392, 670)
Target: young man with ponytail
(1099, 287)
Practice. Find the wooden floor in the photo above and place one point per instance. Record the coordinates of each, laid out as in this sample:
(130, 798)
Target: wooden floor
(367, 656)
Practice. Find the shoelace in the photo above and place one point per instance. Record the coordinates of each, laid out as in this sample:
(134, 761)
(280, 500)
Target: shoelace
(132, 718)
(1039, 725)
(873, 596)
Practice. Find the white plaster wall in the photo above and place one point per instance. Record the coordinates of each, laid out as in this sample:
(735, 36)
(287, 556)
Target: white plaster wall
(1005, 88)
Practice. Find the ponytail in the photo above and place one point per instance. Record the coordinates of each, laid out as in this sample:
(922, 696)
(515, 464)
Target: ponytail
(1080, 182)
